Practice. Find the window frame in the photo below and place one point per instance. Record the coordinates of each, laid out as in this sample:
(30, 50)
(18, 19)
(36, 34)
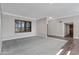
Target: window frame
(25, 26)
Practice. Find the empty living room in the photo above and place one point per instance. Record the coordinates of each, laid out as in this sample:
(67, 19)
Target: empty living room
(39, 28)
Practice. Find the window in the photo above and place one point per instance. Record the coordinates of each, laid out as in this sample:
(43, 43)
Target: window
(22, 26)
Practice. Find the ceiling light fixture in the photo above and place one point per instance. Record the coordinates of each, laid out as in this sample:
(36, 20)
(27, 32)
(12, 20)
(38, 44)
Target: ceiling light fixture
(50, 17)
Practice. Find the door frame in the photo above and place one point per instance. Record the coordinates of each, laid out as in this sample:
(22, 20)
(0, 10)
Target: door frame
(65, 29)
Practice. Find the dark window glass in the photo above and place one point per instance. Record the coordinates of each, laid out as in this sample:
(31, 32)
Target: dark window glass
(22, 26)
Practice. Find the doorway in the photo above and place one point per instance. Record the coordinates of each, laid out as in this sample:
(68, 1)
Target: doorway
(69, 30)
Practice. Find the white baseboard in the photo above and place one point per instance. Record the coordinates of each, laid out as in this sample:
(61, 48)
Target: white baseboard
(76, 37)
(13, 38)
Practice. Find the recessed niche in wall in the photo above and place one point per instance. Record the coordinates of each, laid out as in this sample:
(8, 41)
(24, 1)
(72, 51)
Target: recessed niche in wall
(22, 26)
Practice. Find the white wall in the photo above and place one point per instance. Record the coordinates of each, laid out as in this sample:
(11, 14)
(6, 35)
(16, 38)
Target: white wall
(58, 29)
(8, 24)
(0, 29)
(42, 27)
(55, 28)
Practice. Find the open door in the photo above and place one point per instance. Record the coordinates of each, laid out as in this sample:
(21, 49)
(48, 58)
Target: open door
(69, 30)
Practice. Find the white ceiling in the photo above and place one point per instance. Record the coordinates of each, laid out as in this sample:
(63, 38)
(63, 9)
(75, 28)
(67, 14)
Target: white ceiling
(36, 10)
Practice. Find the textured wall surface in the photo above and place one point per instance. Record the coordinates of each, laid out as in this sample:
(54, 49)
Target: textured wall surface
(8, 24)
(0, 29)
(42, 27)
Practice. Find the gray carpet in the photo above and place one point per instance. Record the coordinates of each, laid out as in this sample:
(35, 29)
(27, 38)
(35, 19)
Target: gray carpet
(32, 46)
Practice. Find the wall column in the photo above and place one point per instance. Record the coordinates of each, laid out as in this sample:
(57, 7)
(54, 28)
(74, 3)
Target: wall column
(0, 30)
